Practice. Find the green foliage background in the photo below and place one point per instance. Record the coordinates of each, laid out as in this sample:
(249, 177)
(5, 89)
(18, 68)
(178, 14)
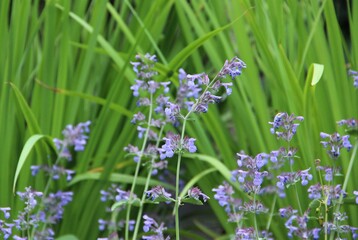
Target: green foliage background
(64, 61)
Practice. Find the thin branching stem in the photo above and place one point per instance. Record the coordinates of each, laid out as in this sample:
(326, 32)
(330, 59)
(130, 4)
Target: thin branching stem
(129, 205)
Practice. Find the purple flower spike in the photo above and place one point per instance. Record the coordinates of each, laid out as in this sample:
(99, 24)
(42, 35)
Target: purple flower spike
(29, 197)
(335, 143)
(73, 136)
(232, 68)
(284, 125)
(224, 195)
(138, 117)
(148, 223)
(172, 111)
(245, 233)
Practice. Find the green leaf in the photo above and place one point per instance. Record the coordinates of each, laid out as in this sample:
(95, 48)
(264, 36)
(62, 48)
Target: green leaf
(26, 111)
(188, 50)
(135, 202)
(192, 201)
(163, 199)
(117, 177)
(315, 73)
(195, 179)
(29, 145)
(67, 237)
(88, 97)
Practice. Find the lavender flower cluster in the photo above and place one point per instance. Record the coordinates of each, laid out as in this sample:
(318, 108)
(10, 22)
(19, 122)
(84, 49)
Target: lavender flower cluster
(114, 194)
(154, 229)
(194, 94)
(255, 181)
(43, 209)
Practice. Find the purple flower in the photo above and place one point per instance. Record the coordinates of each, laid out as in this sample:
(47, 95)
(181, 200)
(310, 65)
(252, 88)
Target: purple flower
(314, 191)
(165, 85)
(333, 193)
(255, 207)
(54, 171)
(239, 175)
(144, 67)
(305, 176)
(279, 157)
(133, 150)
(335, 143)
(141, 131)
(6, 229)
(102, 224)
(19, 238)
(315, 233)
(349, 123)
(173, 143)
(204, 100)
(167, 150)
(245, 233)
(152, 86)
(138, 85)
(54, 205)
(293, 177)
(162, 103)
(356, 196)
(122, 195)
(35, 170)
(284, 125)
(227, 87)
(158, 191)
(355, 77)
(287, 212)
(189, 144)
(195, 193)
(224, 195)
(151, 225)
(138, 117)
(30, 198)
(6, 210)
(73, 136)
(259, 178)
(233, 68)
(172, 111)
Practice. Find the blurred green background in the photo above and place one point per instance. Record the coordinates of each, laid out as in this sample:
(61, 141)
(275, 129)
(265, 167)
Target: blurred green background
(63, 62)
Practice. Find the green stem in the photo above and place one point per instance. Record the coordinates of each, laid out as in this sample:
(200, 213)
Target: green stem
(140, 211)
(255, 220)
(297, 196)
(346, 179)
(271, 213)
(44, 194)
(137, 168)
(177, 200)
